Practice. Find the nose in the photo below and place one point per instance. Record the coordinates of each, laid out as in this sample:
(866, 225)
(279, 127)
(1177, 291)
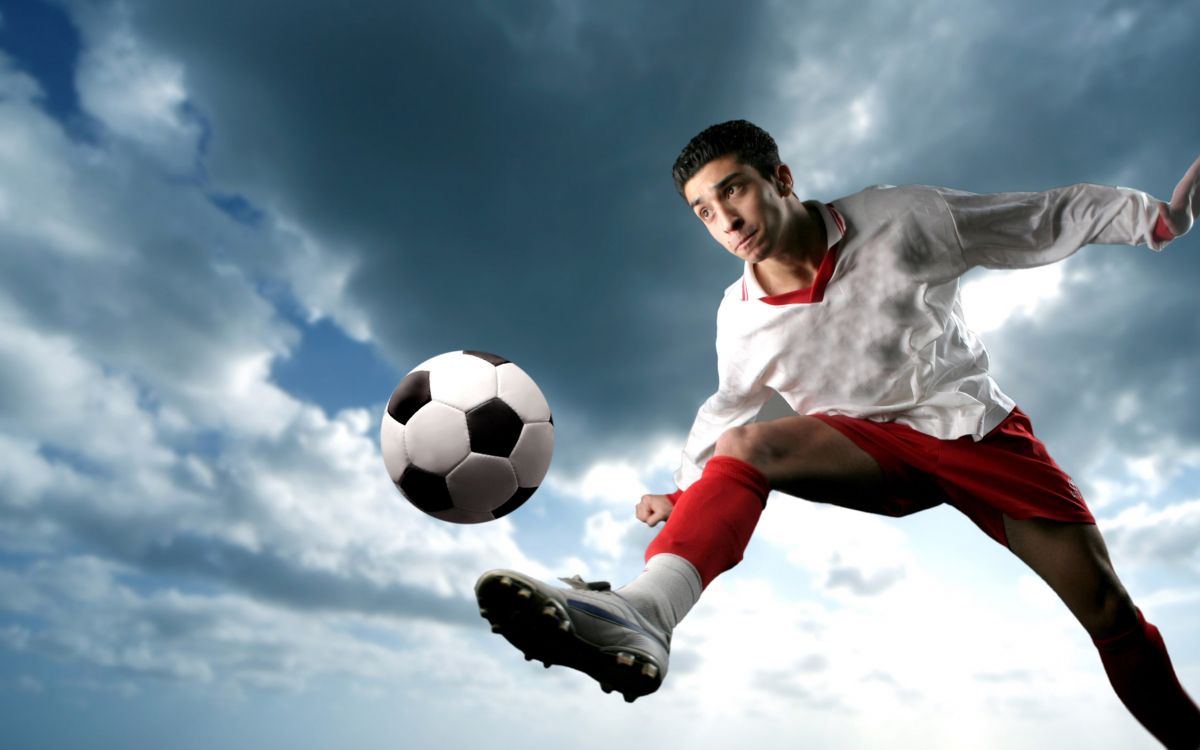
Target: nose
(729, 220)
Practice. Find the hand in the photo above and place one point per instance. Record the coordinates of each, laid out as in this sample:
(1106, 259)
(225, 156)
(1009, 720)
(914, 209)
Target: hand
(1180, 213)
(653, 508)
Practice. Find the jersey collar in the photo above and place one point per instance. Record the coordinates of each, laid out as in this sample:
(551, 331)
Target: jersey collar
(835, 229)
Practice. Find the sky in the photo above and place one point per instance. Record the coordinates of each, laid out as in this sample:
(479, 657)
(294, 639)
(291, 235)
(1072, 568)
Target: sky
(228, 229)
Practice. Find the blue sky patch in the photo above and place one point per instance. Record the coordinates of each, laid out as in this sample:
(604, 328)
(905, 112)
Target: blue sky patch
(334, 371)
(43, 42)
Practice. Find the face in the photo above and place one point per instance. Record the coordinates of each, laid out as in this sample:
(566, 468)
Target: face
(743, 211)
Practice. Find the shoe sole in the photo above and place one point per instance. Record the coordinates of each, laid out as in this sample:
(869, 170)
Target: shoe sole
(541, 629)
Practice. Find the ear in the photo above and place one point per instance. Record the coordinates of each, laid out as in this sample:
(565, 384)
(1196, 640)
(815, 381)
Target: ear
(783, 180)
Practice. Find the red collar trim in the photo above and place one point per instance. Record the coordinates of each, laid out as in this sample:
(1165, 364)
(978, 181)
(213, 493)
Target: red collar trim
(814, 293)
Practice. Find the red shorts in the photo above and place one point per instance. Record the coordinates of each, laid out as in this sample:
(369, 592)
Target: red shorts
(1008, 472)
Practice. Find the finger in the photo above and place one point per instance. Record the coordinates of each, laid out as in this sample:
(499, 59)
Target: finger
(1184, 199)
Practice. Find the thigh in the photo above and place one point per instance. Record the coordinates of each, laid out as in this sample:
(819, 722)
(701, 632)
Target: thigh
(805, 457)
(1073, 559)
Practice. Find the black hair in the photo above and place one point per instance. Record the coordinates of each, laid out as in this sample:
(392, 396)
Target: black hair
(749, 143)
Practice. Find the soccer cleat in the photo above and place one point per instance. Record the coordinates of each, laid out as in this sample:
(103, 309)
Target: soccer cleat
(587, 627)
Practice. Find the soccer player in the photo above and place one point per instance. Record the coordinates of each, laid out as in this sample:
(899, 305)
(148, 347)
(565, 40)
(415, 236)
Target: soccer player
(850, 311)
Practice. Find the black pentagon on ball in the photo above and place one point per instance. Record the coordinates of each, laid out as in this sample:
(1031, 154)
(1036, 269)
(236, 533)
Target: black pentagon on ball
(495, 359)
(410, 395)
(425, 489)
(494, 428)
(519, 497)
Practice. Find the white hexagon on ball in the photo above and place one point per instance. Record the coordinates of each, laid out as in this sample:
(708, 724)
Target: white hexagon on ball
(481, 483)
(436, 438)
(463, 381)
(530, 457)
(519, 391)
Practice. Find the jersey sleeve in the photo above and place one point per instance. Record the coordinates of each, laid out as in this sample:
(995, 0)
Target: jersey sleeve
(1023, 230)
(739, 397)
(721, 411)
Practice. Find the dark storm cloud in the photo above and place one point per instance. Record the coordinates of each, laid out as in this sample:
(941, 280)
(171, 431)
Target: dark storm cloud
(501, 170)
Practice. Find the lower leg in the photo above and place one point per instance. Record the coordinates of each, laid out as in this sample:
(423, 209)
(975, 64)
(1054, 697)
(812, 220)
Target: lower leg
(705, 535)
(1141, 674)
(1073, 559)
(713, 520)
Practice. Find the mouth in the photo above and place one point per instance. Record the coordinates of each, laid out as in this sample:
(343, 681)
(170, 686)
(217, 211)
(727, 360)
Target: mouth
(742, 243)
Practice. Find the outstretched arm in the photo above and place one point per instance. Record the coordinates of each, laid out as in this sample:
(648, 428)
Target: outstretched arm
(1021, 230)
(1180, 213)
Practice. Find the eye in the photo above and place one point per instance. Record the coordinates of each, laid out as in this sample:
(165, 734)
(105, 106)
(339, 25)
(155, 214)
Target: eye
(704, 213)
(732, 190)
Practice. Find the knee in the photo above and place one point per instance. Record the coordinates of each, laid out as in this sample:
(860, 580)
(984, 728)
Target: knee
(765, 445)
(744, 442)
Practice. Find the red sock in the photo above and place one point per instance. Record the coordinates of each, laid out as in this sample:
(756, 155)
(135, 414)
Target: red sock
(1140, 672)
(713, 519)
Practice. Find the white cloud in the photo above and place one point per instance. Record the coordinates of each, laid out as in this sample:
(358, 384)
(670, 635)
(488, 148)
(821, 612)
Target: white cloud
(609, 536)
(39, 196)
(991, 298)
(142, 423)
(89, 615)
(620, 482)
(138, 94)
(849, 554)
(916, 670)
(1169, 535)
(60, 397)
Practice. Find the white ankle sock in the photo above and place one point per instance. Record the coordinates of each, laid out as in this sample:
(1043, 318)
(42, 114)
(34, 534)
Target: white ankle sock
(666, 589)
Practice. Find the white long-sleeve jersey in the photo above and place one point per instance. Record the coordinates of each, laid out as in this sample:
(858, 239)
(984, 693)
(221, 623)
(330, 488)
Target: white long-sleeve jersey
(888, 341)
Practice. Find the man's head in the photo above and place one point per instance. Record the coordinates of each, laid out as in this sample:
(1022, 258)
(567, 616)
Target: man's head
(750, 144)
(731, 177)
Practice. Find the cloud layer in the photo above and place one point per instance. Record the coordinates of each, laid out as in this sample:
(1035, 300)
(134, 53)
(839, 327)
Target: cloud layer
(220, 184)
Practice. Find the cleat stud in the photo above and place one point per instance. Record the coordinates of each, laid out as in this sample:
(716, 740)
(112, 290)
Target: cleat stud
(550, 611)
(505, 581)
(524, 593)
(630, 697)
(528, 657)
(483, 612)
(624, 659)
(564, 626)
(495, 628)
(649, 670)
(546, 665)
(606, 687)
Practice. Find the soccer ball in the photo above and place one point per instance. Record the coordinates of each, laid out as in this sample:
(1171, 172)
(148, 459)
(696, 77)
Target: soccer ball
(467, 437)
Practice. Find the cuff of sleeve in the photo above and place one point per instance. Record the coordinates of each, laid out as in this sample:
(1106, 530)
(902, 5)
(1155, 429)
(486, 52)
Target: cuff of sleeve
(1161, 234)
(674, 497)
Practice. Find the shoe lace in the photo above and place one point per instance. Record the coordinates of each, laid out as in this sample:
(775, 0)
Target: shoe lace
(576, 582)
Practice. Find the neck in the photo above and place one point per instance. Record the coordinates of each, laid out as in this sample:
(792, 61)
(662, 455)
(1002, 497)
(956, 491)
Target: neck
(804, 245)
